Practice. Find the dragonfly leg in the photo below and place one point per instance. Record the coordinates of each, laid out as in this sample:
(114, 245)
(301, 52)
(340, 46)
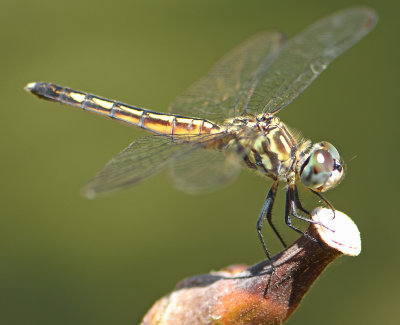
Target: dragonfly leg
(329, 204)
(298, 203)
(290, 209)
(266, 213)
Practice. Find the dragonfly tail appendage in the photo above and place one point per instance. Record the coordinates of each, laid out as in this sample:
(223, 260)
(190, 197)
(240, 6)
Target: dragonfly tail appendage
(159, 123)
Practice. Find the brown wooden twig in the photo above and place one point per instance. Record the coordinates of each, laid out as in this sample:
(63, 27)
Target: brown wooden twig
(235, 295)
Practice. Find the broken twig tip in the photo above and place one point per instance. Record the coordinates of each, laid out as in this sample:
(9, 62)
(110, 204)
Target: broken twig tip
(338, 231)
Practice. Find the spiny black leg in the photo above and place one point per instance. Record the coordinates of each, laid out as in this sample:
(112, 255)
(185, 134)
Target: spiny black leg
(297, 201)
(330, 206)
(294, 195)
(290, 209)
(299, 206)
(266, 212)
(273, 189)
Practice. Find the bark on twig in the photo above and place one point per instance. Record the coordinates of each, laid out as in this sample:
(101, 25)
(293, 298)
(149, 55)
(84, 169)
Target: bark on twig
(235, 295)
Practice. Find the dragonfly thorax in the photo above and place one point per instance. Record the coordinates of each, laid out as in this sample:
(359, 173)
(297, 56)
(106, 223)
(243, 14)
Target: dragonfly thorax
(272, 147)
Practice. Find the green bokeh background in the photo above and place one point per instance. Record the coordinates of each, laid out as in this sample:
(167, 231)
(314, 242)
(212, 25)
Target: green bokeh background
(68, 260)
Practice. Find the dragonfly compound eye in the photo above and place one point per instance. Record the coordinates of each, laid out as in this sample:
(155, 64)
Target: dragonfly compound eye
(323, 169)
(317, 169)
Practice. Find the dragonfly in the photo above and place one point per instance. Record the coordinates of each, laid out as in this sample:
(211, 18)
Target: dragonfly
(227, 120)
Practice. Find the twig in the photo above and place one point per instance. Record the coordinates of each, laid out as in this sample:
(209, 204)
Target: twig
(235, 295)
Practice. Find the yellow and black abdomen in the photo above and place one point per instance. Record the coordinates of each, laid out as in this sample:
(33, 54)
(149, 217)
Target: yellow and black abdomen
(160, 123)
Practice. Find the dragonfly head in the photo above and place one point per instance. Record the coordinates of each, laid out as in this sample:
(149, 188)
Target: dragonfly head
(321, 169)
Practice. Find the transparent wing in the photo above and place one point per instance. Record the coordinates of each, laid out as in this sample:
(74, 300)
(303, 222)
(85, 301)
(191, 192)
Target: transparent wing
(203, 170)
(225, 88)
(143, 158)
(263, 75)
(304, 57)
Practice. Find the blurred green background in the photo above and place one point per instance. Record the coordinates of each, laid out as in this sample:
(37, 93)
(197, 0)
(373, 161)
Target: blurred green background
(68, 260)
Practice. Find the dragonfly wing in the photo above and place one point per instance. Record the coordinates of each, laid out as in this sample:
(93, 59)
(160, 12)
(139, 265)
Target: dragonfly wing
(204, 169)
(141, 159)
(225, 88)
(304, 57)
(207, 169)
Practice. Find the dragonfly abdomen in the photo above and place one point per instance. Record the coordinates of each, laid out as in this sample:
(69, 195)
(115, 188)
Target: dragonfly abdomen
(160, 123)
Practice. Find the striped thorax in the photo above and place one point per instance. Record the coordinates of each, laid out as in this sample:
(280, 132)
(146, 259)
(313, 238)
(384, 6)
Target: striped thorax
(273, 150)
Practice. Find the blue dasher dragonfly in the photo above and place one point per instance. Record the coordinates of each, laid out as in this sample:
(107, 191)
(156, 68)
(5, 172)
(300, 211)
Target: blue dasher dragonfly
(228, 119)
